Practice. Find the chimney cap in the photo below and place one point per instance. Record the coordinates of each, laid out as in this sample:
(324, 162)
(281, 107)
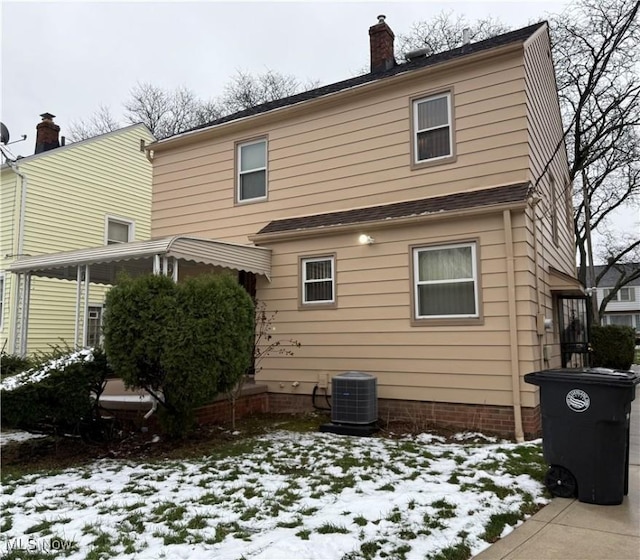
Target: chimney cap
(47, 116)
(381, 18)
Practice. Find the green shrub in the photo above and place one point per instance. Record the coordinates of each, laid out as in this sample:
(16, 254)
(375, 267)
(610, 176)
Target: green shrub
(10, 364)
(137, 321)
(56, 396)
(613, 346)
(184, 343)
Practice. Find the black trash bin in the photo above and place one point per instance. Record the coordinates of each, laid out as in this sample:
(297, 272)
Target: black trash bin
(585, 431)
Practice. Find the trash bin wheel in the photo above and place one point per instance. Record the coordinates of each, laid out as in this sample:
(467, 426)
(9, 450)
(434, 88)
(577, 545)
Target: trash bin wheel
(560, 482)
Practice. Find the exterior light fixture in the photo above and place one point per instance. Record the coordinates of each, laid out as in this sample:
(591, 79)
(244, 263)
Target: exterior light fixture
(365, 239)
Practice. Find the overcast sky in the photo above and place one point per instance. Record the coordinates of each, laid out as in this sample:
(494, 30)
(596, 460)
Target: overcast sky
(68, 58)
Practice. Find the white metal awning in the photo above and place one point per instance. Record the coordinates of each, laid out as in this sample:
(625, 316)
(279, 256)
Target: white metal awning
(137, 257)
(101, 265)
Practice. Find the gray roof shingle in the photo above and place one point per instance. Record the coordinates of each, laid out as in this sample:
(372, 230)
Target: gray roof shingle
(459, 201)
(519, 35)
(611, 277)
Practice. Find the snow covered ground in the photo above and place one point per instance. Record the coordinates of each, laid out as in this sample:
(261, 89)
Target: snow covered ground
(17, 435)
(281, 496)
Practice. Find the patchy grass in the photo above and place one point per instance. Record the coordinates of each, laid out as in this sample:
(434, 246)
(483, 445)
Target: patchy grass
(285, 493)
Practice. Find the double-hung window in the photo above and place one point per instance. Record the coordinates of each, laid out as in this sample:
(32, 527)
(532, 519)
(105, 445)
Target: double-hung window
(318, 280)
(445, 282)
(118, 230)
(252, 170)
(432, 128)
(623, 294)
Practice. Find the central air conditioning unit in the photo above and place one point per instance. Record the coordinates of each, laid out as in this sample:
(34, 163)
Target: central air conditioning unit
(354, 398)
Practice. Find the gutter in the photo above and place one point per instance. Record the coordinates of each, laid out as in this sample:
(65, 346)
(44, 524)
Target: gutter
(383, 222)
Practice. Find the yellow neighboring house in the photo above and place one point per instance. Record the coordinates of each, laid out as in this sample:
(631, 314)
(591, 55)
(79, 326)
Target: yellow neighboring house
(88, 193)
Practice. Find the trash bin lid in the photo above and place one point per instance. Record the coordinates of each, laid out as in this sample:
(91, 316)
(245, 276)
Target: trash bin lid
(594, 376)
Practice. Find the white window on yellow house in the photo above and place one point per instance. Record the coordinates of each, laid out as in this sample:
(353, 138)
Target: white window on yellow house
(94, 326)
(432, 127)
(118, 230)
(318, 280)
(251, 166)
(445, 282)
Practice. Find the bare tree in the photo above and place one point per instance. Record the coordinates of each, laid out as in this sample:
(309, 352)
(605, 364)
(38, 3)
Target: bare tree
(246, 90)
(626, 249)
(597, 61)
(99, 123)
(445, 32)
(168, 112)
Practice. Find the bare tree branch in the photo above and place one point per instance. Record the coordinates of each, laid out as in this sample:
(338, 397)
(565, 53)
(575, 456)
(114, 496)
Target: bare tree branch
(99, 123)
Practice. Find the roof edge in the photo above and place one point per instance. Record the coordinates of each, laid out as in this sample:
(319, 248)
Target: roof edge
(26, 159)
(384, 223)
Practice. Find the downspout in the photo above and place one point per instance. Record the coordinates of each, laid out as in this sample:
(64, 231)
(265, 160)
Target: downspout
(19, 246)
(513, 327)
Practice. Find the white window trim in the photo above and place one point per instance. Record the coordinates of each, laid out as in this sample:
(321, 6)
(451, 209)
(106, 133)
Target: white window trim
(305, 281)
(629, 290)
(417, 283)
(631, 296)
(416, 131)
(240, 173)
(101, 307)
(120, 220)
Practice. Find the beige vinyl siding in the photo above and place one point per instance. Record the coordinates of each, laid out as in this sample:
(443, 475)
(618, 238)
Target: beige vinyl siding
(347, 155)
(70, 191)
(545, 131)
(370, 330)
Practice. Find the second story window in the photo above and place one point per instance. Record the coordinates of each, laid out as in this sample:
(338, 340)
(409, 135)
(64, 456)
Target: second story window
(623, 294)
(252, 170)
(432, 128)
(118, 231)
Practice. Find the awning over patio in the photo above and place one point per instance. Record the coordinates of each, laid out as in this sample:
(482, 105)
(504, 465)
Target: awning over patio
(101, 265)
(138, 257)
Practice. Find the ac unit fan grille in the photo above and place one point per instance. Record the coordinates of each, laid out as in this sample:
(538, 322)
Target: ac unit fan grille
(354, 398)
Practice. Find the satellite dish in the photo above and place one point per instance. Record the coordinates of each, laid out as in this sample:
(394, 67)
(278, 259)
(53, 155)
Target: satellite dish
(4, 134)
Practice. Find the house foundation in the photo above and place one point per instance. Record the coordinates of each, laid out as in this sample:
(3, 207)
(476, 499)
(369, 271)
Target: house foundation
(415, 415)
(423, 415)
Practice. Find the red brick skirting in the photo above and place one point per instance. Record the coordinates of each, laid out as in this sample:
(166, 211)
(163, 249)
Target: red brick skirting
(418, 415)
(422, 415)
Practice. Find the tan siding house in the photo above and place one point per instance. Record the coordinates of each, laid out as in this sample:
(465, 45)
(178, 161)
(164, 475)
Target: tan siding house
(64, 198)
(418, 219)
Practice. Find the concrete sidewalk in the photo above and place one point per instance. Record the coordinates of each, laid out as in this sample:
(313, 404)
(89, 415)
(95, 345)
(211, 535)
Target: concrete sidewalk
(567, 529)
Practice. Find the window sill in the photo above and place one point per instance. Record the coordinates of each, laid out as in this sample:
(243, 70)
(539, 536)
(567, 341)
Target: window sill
(312, 306)
(433, 162)
(453, 322)
(251, 200)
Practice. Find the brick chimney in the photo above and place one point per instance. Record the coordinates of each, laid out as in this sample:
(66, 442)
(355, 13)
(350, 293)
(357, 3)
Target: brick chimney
(381, 41)
(47, 134)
